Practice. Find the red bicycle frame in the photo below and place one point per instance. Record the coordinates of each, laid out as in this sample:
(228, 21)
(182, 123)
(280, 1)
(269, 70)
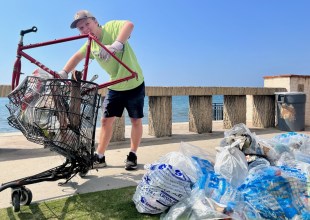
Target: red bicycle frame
(90, 37)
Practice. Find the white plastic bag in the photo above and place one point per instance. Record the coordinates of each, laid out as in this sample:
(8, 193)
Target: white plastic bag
(178, 159)
(231, 163)
(161, 187)
(197, 206)
(42, 74)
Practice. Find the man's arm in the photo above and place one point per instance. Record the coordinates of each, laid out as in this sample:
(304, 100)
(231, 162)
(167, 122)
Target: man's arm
(125, 32)
(73, 61)
(118, 44)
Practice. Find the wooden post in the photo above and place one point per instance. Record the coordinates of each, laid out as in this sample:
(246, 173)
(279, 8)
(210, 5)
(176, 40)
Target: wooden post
(5, 90)
(75, 102)
(160, 116)
(118, 126)
(200, 114)
(263, 111)
(59, 106)
(118, 129)
(234, 110)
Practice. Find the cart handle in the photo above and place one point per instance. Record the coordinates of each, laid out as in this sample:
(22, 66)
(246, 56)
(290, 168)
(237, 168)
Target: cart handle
(33, 29)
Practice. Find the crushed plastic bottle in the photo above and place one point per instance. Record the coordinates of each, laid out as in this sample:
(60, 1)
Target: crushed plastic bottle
(258, 164)
(241, 210)
(219, 189)
(215, 186)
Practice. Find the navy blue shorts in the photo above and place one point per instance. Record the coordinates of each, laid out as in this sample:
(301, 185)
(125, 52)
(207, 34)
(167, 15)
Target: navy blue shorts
(115, 102)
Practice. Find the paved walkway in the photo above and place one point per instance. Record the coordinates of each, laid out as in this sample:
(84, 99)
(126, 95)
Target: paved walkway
(20, 158)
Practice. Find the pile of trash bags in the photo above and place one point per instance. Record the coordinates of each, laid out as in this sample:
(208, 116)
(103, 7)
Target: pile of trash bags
(251, 178)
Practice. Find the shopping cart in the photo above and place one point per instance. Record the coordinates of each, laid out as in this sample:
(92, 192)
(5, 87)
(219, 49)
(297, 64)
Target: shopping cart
(59, 114)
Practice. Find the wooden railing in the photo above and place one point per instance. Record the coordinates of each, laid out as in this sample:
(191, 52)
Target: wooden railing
(200, 108)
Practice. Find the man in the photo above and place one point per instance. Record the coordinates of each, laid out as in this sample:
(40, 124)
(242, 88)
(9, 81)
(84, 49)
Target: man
(129, 94)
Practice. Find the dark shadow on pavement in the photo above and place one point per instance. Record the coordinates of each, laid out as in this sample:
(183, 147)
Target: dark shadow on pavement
(7, 154)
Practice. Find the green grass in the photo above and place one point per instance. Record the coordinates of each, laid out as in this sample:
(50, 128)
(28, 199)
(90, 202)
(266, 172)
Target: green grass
(108, 204)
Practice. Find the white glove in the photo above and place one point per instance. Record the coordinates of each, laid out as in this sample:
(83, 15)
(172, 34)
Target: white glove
(63, 74)
(115, 47)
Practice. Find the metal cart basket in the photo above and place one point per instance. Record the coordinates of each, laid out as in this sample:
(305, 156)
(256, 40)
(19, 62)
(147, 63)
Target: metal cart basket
(60, 114)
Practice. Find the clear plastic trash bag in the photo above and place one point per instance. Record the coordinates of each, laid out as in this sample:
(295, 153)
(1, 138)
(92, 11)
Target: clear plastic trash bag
(231, 163)
(161, 187)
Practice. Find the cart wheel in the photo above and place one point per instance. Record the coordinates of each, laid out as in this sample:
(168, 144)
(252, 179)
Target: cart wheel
(25, 196)
(16, 201)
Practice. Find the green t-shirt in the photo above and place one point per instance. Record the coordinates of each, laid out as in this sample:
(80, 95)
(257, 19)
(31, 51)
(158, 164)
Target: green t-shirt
(110, 32)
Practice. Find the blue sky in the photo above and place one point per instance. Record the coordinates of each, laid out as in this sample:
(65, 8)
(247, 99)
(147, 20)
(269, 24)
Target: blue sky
(177, 42)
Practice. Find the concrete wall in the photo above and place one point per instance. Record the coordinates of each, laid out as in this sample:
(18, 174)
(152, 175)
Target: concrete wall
(274, 81)
(293, 83)
(5, 90)
(200, 103)
(249, 110)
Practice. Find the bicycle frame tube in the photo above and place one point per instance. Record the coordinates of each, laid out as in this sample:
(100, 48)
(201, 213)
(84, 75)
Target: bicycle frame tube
(133, 74)
(90, 38)
(16, 73)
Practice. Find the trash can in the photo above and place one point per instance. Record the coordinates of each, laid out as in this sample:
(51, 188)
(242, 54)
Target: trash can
(290, 111)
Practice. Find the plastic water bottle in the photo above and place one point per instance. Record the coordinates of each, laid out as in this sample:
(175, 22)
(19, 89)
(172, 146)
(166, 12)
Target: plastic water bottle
(219, 189)
(258, 164)
(241, 210)
(301, 156)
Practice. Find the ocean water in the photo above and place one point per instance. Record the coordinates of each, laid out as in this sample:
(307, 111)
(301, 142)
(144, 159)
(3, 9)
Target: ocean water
(180, 106)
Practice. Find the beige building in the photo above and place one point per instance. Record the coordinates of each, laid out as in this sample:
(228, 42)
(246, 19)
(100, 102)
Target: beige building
(292, 83)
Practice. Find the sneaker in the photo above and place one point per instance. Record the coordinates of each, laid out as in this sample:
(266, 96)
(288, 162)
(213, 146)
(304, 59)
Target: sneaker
(131, 162)
(99, 162)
